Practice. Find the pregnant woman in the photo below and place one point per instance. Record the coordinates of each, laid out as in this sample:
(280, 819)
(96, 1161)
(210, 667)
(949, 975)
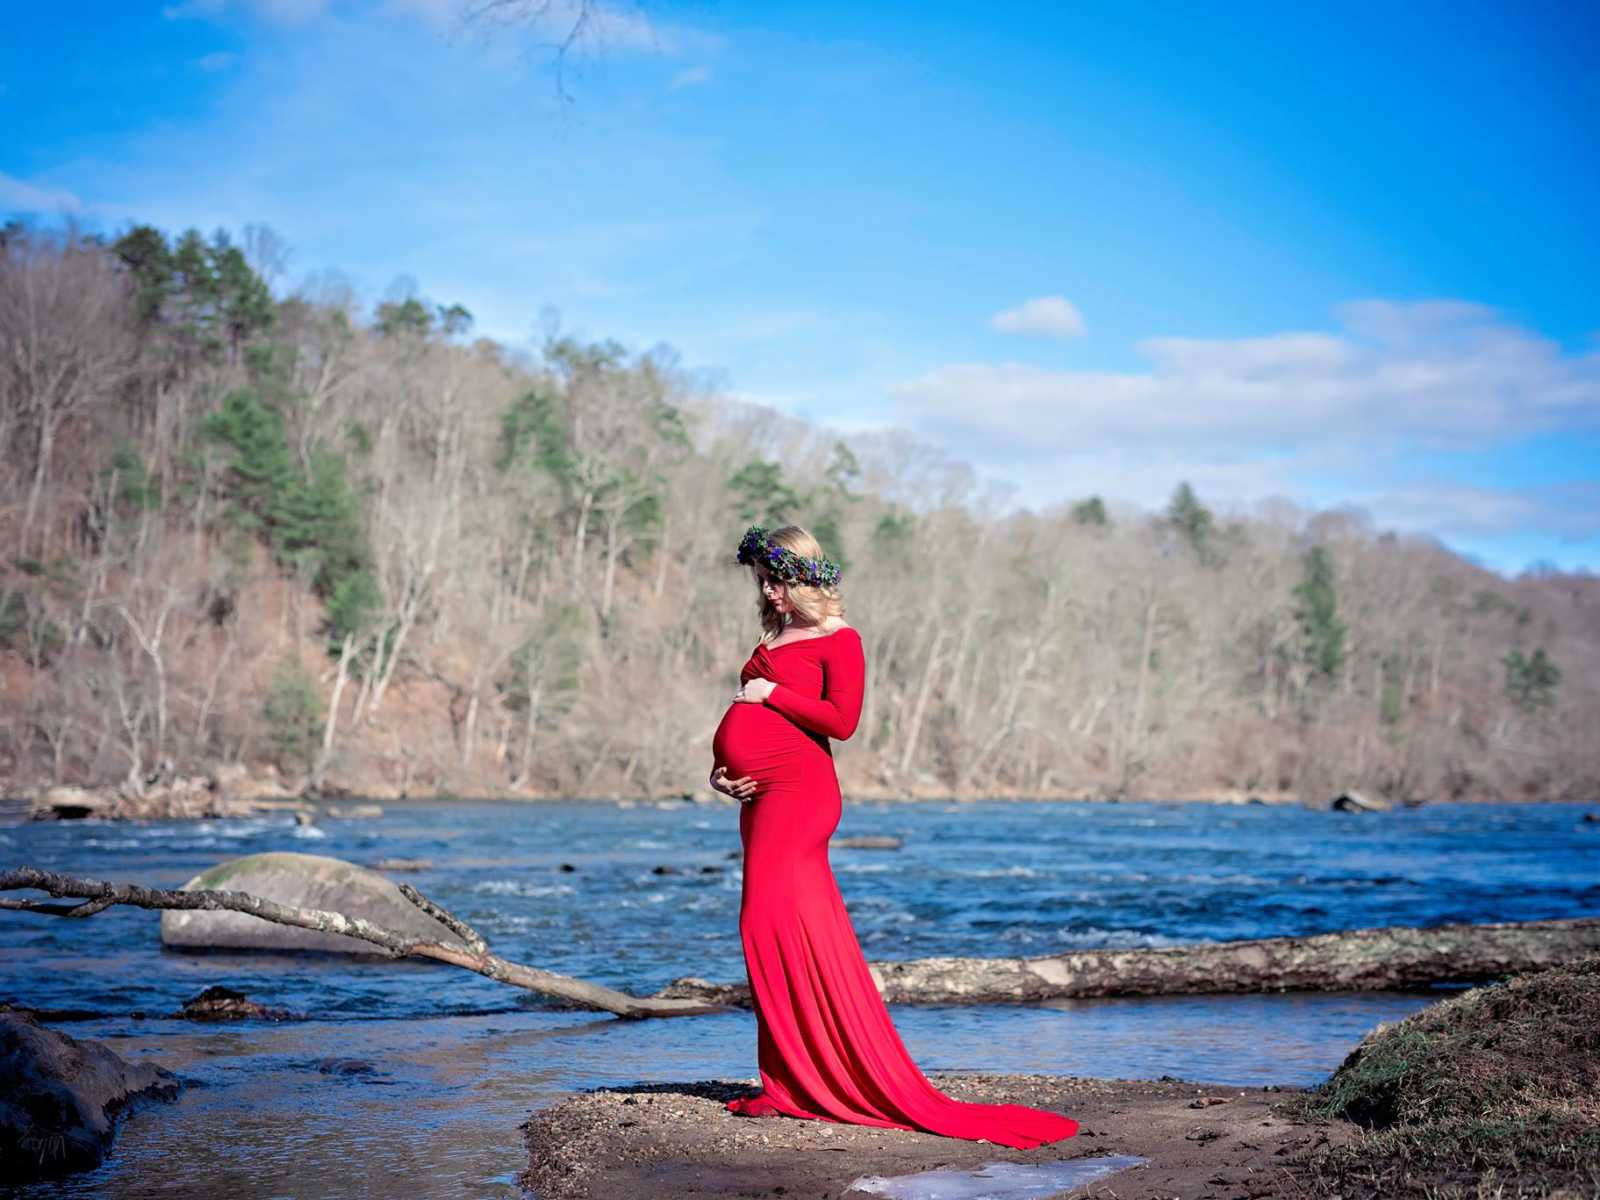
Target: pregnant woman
(826, 1047)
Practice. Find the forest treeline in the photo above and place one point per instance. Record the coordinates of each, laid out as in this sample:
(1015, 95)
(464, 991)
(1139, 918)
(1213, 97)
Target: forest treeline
(386, 555)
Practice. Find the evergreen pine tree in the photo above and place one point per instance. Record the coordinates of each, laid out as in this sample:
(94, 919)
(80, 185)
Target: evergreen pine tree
(1531, 680)
(1193, 520)
(1322, 633)
(261, 469)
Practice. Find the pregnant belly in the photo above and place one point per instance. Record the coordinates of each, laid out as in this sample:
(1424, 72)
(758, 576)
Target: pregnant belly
(760, 742)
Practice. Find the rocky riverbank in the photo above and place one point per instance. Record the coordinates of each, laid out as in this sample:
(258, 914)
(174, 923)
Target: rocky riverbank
(678, 1140)
(234, 790)
(1491, 1092)
(225, 791)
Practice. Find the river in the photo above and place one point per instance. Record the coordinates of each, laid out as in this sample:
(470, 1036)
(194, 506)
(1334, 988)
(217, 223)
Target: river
(410, 1078)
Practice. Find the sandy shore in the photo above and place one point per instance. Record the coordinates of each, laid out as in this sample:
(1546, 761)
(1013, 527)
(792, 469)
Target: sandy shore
(677, 1139)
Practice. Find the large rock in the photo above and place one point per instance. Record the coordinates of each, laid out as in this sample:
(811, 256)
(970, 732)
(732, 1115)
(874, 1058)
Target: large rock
(218, 1003)
(60, 1097)
(72, 804)
(1350, 801)
(307, 881)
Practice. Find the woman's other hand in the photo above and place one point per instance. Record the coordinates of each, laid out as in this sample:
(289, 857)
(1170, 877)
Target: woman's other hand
(755, 692)
(743, 788)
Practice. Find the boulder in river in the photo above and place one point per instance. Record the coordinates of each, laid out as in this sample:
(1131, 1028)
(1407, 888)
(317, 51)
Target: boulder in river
(1352, 801)
(218, 1003)
(307, 881)
(60, 1098)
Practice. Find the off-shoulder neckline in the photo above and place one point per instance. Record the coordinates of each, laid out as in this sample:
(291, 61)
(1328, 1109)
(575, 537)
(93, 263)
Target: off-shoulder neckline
(821, 637)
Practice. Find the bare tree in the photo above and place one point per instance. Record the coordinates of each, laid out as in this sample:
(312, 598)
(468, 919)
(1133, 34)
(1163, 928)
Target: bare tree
(66, 345)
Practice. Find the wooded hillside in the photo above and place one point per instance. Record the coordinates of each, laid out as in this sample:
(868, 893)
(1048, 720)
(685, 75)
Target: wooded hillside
(372, 549)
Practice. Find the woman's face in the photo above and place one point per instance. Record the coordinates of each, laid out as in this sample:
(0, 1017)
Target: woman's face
(776, 592)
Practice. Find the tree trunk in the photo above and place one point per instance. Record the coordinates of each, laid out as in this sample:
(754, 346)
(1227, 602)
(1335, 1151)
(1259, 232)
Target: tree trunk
(391, 660)
(914, 725)
(530, 723)
(332, 725)
(613, 548)
(661, 557)
(1356, 960)
(1133, 740)
(45, 451)
(579, 537)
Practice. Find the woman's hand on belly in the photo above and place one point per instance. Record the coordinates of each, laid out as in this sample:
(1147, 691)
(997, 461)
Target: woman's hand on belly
(754, 692)
(743, 788)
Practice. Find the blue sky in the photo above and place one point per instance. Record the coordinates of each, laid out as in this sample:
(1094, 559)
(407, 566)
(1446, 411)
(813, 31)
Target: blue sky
(1346, 256)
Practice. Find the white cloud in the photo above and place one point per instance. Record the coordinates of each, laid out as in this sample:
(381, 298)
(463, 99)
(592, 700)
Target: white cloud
(1046, 316)
(213, 63)
(1324, 418)
(18, 195)
(1440, 375)
(692, 77)
(1569, 510)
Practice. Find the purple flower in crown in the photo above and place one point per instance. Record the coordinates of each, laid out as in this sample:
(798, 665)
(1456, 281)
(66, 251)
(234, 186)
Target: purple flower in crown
(784, 563)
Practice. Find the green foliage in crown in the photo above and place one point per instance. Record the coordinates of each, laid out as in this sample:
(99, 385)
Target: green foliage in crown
(784, 564)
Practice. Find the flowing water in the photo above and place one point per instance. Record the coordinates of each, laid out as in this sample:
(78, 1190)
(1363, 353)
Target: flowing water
(410, 1078)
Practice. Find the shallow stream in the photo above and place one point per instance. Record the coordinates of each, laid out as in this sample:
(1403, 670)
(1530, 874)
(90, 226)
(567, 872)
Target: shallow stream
(411, 1078)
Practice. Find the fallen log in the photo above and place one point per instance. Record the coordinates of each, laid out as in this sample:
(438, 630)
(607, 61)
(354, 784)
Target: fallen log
(97, 896)
(865, 842)
(1382, 959)
(1357, 960)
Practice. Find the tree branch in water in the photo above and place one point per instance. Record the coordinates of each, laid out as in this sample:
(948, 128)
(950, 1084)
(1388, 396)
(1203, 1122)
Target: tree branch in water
(475, 956)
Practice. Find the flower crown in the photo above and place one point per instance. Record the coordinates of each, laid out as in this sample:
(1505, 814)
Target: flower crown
(784, 564)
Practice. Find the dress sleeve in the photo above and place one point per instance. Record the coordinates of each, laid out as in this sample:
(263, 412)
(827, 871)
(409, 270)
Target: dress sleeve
(844, 674)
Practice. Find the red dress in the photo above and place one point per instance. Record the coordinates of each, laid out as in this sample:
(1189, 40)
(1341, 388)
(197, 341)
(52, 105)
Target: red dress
(825, 1044)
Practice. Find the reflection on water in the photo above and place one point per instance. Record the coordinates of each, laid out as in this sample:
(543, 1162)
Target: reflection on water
(996, 1180)
(411, 1077)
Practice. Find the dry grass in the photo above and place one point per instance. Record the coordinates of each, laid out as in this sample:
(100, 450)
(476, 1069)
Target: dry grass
(1492, 1093)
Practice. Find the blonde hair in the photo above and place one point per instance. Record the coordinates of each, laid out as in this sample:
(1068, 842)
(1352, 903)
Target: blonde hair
(815, 604)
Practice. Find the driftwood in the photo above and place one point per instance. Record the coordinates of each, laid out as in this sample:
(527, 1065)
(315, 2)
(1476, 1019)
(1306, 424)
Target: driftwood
(1356, 960)
(98, 896)
(865, 842)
